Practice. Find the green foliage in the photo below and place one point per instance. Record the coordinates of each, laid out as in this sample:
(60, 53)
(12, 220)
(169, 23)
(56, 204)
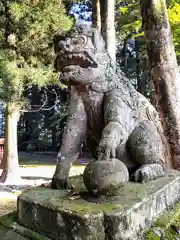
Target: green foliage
(174, 18)
(128, 26)
(164, 225)
(128, 17)
(26, 47)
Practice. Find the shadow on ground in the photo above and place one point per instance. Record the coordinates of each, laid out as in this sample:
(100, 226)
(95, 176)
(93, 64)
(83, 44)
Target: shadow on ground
(37, 178)
(49, 159)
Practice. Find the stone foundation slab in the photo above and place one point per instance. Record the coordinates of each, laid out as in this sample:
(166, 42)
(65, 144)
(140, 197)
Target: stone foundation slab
(64, 215)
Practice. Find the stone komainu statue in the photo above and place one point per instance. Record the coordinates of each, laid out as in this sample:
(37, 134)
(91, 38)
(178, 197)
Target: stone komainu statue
(105, 110)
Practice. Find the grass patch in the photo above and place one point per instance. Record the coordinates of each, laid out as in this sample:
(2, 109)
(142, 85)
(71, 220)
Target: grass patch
(7, 205)
(33, 162)
(164, 225)
(36, 165)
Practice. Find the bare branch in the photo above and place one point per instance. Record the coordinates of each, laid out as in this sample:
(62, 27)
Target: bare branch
(41, 108)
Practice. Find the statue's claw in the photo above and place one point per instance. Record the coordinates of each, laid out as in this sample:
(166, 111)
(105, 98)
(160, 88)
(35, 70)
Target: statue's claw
(105, 152)
(148, 172)
(59, 183)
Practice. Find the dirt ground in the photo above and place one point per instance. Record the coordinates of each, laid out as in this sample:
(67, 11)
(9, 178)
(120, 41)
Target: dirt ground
(35, 169)
(7, 205)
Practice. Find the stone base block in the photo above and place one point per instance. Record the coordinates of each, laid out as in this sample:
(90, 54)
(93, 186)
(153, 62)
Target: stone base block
(10, 229)
(64, 215)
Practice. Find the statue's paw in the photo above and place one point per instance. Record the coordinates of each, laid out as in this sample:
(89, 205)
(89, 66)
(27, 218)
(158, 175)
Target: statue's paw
(105, 152)
(59, 183)
(148, 172)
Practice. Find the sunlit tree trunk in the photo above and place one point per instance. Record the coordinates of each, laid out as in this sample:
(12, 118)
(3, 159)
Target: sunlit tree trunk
(107, 13)
(110, 29)
(164, 71)
(11, 174)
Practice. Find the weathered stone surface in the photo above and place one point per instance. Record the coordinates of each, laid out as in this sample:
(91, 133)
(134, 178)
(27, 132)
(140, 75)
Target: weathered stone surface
(104, 109)
(105, 177)
(51, 212)
(8, 234)
(151, 150)
(11, 230)
(60, 215)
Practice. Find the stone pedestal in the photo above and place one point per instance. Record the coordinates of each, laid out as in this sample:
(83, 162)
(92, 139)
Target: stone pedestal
(62, 215)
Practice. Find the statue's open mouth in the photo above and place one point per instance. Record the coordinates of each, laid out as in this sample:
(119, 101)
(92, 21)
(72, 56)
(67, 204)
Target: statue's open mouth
(68, 62)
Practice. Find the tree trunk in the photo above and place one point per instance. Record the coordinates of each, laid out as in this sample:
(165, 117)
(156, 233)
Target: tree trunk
(139, 82)
(110, 30)
(108, 27)
(96, 14)
(53, 132)
(164, 71)
(11, 174)
(142, 68)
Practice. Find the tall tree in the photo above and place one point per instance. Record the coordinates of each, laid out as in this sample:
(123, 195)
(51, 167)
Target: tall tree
(164, 70)
(110, 29)
(96, 16)
(26, 57)
(104, 10)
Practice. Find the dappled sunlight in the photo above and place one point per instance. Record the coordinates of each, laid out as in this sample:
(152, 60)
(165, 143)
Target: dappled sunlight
(32, 176)
(7, 204)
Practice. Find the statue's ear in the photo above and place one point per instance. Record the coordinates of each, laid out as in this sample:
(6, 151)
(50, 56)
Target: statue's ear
(97, 40)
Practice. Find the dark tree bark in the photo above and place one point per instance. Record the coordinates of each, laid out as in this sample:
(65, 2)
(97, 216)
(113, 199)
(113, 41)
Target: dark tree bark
(53, 132)
(138, 70)
(96, 14)
(164, 71)
(32, 118)
(142, 67)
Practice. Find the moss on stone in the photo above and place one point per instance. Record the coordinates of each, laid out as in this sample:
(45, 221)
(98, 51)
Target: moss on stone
(8, 234)
(164, 225)
(86, 208)
(62, 199)
(80, 206)
(9, 221)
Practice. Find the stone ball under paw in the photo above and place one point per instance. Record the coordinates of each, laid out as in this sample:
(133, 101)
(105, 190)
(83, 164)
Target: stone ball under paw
(105, 177)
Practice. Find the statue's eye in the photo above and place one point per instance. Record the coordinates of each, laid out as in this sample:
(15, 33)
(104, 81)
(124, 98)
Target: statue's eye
(78, 40)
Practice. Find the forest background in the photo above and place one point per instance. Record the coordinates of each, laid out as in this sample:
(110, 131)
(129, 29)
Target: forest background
(41, 124)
